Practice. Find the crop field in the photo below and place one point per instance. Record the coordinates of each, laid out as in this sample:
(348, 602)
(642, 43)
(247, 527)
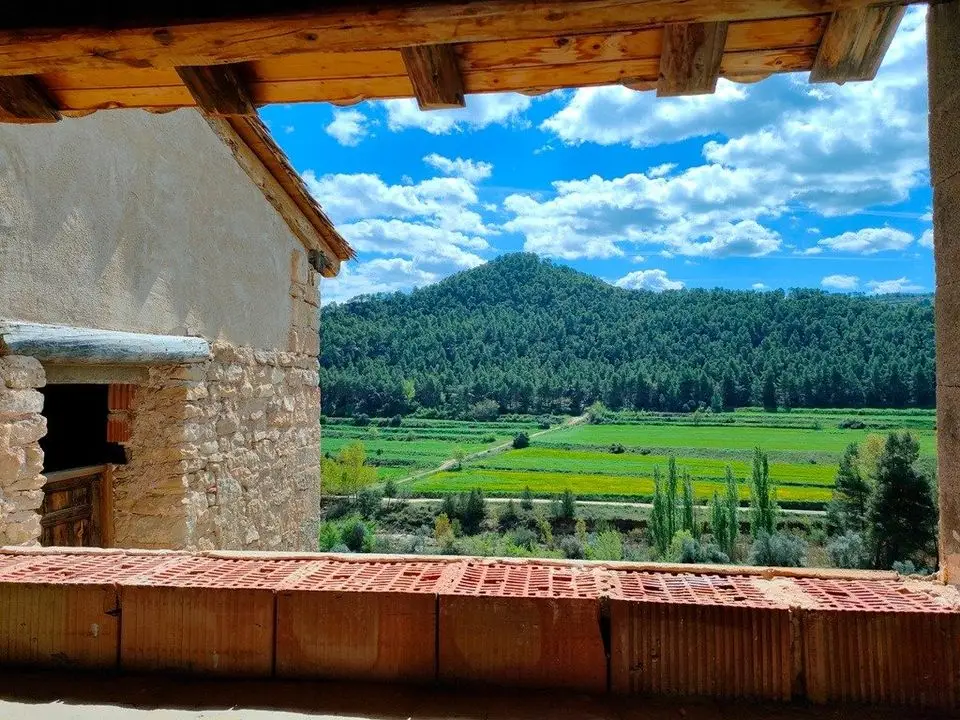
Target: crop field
(418, 445)
(804, 449)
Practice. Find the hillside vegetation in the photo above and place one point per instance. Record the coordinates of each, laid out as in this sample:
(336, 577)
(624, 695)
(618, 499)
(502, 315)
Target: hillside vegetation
(522, 335)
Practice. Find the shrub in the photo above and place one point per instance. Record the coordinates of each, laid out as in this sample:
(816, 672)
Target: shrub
(644, 451)
(545, 529)
(851, 424)
(568, 506)
(908, 568)
(486, 439)
(358, 536)
(608, 545)
(617, 449)
(572, 548)
(396, 421)
(329, 536)
(368, 502)
(779, 550)
(472, 511)
(521, 441)
(525, 538)
(484, 410)
(361, 419)
(685, 548)
(443, 532)
(597, 414)
(526, 499)
(509, 516)
(390, 488)
(543, 422)
(848, 551)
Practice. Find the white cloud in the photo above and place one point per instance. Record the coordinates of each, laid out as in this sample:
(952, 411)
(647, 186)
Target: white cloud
(375, 276)
(813, 230)
(481, 111)
(349, 127)
(638, 259)
(661, 170)
(288, 129)
(868, 241)
(746, 238)
(926, 240)
(899, 285)
(471, 170)
(835, 150)
(809, 251)
(655, 280)
(840, 282)
(759, 286)
(418, 233)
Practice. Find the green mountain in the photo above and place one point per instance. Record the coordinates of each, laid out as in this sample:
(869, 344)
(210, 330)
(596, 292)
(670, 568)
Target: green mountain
(537, 337)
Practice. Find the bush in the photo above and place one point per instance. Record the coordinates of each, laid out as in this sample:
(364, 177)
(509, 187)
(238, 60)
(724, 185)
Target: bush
(848, 551)
(521, 441)
(778, 550)
(851, 424)
(608, 545)
(443, 533)
(525, 538)
(617, 449)
(390, 488)
(472, 511)
(568, 506)
(361, 419)
(509, 516)
(543, 422)
(329, 536)
(396, 421)
(685, 548)
(572, 548)
(908, 568)
(358, 536)
(368, 502)
(526, 499)
(484, 410)
(486, 439)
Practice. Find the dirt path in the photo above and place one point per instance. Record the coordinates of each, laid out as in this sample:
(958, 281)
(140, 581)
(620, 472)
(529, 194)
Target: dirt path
(449, 464)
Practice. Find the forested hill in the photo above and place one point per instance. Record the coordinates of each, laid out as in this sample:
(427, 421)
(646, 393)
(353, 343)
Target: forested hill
(536, 337)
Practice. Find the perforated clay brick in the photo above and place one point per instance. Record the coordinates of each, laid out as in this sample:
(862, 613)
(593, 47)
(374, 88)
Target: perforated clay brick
(70, 568)
(871, 595)
(413, 576)
(690, 589)
(530, 580)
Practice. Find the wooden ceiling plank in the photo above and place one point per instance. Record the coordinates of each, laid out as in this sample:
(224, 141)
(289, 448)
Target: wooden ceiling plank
(218, 89)
(369, 26)
(24, 100)
(435, 76)
(854, 44)
(690, 61)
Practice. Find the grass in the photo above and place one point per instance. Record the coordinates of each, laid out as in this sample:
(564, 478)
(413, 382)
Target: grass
(741, 438)
(605, 463)
(512, 482)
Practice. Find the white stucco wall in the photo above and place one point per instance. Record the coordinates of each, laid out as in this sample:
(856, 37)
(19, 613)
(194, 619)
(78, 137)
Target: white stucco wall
(126, 220)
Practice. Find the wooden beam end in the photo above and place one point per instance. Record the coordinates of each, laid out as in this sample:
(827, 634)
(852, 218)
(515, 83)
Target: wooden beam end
(690, 58)
(24, 100)
(218, 89)
(435, 75)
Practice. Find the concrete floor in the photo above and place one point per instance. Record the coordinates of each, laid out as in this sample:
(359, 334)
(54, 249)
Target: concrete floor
(76, 696)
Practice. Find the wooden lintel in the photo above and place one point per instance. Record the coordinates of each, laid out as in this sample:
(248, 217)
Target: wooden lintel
(690, 59)
(854, 44)
(167, 42)
(434, 75)
(23, 100)
(218, 89)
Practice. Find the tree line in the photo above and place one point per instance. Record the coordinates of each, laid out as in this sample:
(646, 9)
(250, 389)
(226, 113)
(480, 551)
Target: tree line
(533, 337)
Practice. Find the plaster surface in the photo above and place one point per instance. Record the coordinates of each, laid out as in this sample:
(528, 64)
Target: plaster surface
(127, 220)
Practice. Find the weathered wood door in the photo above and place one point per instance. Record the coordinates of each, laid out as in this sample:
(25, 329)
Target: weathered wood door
(71, 513)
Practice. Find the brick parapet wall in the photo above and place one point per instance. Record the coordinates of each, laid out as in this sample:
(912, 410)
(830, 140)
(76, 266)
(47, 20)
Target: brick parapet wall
(766, 633)
(21, 459)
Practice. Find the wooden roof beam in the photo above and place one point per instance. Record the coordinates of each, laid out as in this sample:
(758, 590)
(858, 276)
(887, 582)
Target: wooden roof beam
(367, 25)
(690, 59)
(218, 89)
(435, 76)
(854, 43)
(24, 100)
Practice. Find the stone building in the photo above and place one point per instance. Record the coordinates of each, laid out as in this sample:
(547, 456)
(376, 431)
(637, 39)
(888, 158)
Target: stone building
(158, 334)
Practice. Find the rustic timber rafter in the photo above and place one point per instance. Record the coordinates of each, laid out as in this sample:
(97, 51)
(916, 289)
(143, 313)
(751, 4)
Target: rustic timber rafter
(691, 58)
(22, 99)
(434, 75)
(368, 26)
(854, 44)
(218, 89)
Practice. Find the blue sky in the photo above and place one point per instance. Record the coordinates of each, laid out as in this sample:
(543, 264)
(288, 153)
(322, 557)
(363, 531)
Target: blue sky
(778, 184)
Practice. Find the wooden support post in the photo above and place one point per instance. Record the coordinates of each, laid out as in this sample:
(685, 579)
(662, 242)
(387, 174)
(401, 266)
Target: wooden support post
(943, 39)
(218, 89)
(435, 76)
(690, 58)
(854, 43)
(23, 100)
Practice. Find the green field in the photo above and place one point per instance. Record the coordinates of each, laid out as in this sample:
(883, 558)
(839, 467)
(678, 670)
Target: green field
(804, 448)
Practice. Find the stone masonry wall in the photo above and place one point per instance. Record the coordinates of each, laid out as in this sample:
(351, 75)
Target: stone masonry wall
(226, 454)
(21, 459)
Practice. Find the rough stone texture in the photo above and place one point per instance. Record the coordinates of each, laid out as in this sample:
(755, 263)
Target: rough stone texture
(943, 33)
(21, 460)
(226, 454)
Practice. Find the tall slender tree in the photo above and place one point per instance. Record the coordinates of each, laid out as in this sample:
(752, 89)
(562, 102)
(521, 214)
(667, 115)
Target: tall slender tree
(763, 500)
(659, 528)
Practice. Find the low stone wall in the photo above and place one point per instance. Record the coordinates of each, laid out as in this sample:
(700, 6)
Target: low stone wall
(21, 459)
